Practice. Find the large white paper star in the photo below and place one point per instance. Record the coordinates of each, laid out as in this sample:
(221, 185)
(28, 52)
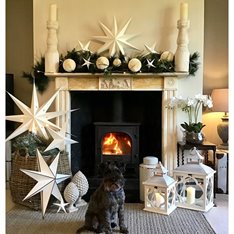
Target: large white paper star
(59, 139)
(34, 119)
(47, 181)
(115, 40)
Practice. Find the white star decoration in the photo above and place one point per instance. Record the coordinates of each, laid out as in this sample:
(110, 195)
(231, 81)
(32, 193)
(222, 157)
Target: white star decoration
(61, 205)
(59, 139)
(115, 40)
(86, 62)
(84, 47)
(47, 181)
(151, 49)
(150, 63)
(36, 118)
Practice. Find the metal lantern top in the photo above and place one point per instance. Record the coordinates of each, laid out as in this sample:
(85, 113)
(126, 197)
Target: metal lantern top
(160, 177)
(195, 168)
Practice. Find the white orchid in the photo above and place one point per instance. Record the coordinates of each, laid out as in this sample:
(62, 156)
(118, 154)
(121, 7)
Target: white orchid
(192, 107)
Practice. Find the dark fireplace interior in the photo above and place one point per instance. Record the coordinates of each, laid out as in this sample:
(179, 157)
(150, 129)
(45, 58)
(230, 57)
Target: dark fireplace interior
(115, 126)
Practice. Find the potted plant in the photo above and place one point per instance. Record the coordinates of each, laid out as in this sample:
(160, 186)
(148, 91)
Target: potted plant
(193, 128)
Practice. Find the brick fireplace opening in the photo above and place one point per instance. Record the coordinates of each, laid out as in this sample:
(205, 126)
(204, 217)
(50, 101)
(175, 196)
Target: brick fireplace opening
(119, 126)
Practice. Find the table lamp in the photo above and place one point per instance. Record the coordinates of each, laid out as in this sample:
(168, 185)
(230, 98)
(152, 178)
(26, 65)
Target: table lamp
(220, 104)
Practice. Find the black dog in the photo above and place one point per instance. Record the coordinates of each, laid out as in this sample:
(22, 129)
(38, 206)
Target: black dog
(106, 203)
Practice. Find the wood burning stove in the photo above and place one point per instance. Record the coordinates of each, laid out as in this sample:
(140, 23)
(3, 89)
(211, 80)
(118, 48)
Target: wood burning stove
(117, 142)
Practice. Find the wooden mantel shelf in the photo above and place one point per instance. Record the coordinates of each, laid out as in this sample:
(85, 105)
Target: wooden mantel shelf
(138, 75)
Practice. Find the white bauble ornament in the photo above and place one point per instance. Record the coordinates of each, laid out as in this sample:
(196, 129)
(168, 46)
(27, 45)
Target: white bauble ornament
(167, 55)
(69, 65)
(71, 194)
(134, 65)
(102, 63)
(117, 62)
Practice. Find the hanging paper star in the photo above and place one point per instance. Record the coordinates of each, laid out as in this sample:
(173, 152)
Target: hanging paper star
(34, 119)
(61, 205)
(59, 139)
(84, 47)
(87, 62)
(115, 40)
(47, 181)
(150, 63)
(151, 49)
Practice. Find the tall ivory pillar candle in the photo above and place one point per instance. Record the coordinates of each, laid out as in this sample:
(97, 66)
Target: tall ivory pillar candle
(190, 195)
(183, 11)
(53, 12)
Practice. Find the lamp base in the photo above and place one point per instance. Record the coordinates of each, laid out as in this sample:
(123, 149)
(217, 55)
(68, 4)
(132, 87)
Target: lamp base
(222, 130)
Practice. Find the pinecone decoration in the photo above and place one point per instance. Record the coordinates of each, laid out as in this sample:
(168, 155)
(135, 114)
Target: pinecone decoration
(71, 195)
(81, 182)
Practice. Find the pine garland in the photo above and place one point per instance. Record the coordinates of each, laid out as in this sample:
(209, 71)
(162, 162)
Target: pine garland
(42, 81)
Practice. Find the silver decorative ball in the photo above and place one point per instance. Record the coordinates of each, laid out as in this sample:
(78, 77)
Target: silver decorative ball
(134, 65)
(71, 193)
(81, 182)
(102, 63)
(167, 55)
(69, 65)
(117, 62)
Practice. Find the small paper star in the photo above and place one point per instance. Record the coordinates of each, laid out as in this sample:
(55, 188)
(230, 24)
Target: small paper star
(85, 47)
(150, 63)
(61, 205)
(151, 49)
(115, 40)
(87, 62)
(47, 181)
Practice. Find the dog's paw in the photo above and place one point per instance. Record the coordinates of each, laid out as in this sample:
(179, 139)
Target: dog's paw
(124, 230)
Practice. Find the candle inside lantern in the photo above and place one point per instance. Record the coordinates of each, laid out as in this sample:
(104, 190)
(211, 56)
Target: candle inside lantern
(190, 195)
(159, 199)
(183, 11)
(53, 12)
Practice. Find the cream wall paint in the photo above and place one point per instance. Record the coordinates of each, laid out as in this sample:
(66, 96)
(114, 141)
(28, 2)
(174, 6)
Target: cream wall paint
(152, 20)
(215, 59)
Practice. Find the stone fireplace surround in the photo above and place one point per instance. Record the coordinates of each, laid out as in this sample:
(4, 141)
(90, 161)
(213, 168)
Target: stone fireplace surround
(165, 82)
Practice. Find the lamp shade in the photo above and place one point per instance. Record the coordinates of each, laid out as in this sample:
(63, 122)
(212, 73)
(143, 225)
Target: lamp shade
(220, 100)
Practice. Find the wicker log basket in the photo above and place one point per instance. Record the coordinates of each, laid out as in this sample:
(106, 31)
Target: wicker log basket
(21, 184)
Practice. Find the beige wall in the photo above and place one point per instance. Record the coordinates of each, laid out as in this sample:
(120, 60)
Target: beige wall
(215, 59)
(19, 44)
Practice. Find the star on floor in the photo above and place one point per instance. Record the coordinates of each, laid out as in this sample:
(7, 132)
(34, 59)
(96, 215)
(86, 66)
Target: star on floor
(61, 205)
(115, 39)
(47, 181)
(34, 119)
(150, 63)
(87, 62)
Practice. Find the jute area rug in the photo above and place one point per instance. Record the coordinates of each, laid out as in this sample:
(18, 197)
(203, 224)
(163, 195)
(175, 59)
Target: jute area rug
(182, 221)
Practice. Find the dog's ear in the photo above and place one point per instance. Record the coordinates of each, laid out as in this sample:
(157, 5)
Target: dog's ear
(104, 168)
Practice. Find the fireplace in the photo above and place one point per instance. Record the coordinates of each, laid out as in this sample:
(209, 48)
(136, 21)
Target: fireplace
(164, 83)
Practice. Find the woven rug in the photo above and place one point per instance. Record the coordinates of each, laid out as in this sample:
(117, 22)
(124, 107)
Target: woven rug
(182, 221)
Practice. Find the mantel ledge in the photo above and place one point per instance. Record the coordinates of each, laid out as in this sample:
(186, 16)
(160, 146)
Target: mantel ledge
(138, 75)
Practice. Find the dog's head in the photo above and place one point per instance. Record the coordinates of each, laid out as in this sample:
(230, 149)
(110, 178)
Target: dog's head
(112, 176)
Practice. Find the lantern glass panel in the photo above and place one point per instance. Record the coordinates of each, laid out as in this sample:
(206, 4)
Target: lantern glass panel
(155, 198)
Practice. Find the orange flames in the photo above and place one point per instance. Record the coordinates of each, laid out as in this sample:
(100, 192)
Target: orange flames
(116, 144)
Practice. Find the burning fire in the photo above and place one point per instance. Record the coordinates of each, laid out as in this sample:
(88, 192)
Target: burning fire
(116, 144)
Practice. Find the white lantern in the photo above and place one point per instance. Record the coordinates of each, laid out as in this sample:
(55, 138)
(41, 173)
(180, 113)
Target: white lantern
(160, 192)
(195, 185)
